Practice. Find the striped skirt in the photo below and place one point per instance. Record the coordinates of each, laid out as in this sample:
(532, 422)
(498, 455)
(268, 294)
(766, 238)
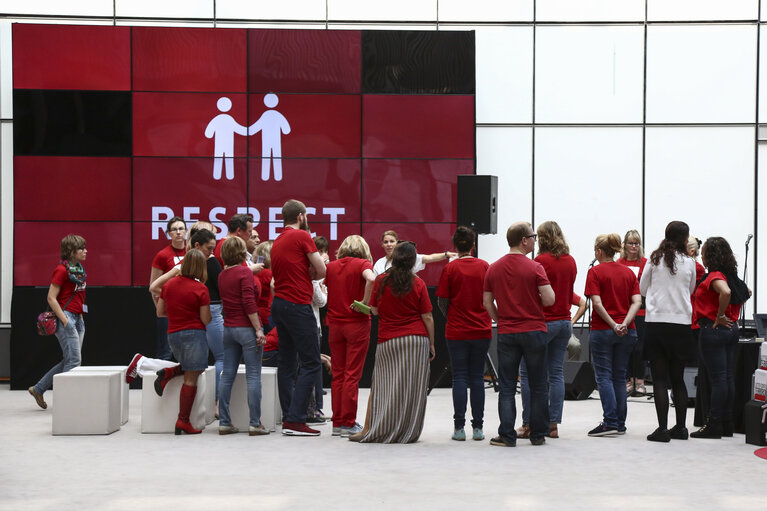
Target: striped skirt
(397, 401)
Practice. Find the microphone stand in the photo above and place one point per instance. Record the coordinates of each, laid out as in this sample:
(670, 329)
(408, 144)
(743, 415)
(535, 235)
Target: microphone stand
(745, 269)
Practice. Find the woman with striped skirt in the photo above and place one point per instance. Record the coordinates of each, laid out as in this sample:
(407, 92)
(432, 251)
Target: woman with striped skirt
(397, 401)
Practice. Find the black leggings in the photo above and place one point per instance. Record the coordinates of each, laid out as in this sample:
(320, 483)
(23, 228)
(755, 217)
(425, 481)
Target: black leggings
(670, 344)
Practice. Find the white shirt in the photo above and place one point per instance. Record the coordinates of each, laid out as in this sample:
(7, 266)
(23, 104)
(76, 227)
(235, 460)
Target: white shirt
(319, 300)
(668, 296)
(383, 264)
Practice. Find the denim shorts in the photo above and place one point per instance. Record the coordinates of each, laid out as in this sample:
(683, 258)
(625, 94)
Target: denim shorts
(190, 347)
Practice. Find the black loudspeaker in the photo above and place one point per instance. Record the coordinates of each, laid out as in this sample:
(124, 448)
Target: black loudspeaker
(478, 203)
(579, 380)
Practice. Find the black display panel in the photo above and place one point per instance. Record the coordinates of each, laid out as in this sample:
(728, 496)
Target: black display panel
(415, 62)
(71, 123)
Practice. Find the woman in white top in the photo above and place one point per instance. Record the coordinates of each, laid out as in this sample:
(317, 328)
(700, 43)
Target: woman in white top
(390, 239)
(667, 282)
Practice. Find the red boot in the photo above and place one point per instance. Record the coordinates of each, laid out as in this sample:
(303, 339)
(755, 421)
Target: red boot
(164, 376)
(186, 399)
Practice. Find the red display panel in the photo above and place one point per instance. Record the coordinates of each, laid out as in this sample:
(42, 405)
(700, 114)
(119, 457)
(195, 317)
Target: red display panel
(412, 190)
(71, 57)
(402, 126)
(279, 61)
(185, 187)
(73, 188)
(144, 249)
(329, 186)
(321, 125)
(179, 59)
(429, 238)
(37, 251)
(167, 124)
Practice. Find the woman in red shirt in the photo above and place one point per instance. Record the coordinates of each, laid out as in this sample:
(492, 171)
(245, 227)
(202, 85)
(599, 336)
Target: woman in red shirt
(186, 303)
(632, 255)
(718, 299)
(66, 298)
(350, 277)
(615, 298)
(243, 335)
(397, 401)
(468, 331)
(164, 261)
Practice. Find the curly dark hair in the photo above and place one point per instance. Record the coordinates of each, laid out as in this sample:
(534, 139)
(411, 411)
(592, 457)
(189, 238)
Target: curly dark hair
(674, 243)
(718, 256)
(400, 276)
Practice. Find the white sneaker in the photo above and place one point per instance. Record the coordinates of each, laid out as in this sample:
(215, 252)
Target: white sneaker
(336, 430)
(350, 430)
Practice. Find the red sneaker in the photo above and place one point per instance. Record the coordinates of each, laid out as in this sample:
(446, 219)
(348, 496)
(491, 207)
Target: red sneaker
(298, 429)
(132, 371)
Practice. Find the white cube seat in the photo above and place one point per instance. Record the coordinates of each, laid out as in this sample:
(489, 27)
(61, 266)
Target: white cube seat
(238, 402)
(159, 414)
(124, 394)
(87, 403)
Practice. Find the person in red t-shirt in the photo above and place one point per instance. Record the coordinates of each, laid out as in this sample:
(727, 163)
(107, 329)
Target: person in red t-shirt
(554, 256)
(295, 263)
(615, 298)
(164, 261)
(66, 298)
(515, 293)
(716, 309)
(397, 402)
(467, 332)
(185, 301)
(350, 277)
(632, 256)
(243, 335)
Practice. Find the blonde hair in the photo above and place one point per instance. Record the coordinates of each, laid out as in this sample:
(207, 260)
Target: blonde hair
(610, 244)
(634, 235)
(354, 246)
(693, 249)
(390, 233)
(233, 251)
(198, 226)
(194, 265)
(264, 249)
(551, 239)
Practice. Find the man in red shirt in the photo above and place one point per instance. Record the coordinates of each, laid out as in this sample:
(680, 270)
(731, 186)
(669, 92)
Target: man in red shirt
(295, 263)
(516, 291)
(240, 225)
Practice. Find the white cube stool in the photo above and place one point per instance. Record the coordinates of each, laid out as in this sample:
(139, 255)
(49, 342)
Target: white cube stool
(238, 402)
(124, 395)
(87, 403)
(159, 414)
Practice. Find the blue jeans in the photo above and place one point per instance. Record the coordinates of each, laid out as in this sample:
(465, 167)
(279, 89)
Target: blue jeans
(511, 350)
(163, 348)
(241, 342)
(190, 347)
(467, 364)
(215, 335)
(71, 341)
(297, 331)
(557, 335)
(611, 354)
(717, 349)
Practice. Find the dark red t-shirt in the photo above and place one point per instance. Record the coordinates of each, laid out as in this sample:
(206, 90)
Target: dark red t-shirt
(399, 316)
(637, 266)
(615, 284)
(68, 287)
(576, 300)
(700, 270)
(514, 280)
(561, 272)
(290, 266)
(345, 284)
(238, 295)
(706, 303)
(462, 282)
(183, 298)
(265, 296)
(272, 341)
(168, 257)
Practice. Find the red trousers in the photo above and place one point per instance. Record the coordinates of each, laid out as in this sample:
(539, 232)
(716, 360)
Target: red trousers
(348, 347)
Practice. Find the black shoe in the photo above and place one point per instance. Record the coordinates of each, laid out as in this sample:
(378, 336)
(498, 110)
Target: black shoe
(603, 430)
(502, 442)
(709, 430)
(538, 440)
(678, 433)
(659, 435)
(315, 420)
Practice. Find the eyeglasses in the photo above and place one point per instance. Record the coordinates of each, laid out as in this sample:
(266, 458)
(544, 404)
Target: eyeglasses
(177, 229)
(534, 236)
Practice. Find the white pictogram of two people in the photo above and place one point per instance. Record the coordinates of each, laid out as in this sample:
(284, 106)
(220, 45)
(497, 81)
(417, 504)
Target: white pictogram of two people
(272, 125)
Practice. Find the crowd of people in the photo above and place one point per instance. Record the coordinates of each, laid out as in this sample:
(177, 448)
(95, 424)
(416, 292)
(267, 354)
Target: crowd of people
(243, 301)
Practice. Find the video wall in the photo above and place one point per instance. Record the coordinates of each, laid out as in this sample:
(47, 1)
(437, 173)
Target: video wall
(117, 129)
